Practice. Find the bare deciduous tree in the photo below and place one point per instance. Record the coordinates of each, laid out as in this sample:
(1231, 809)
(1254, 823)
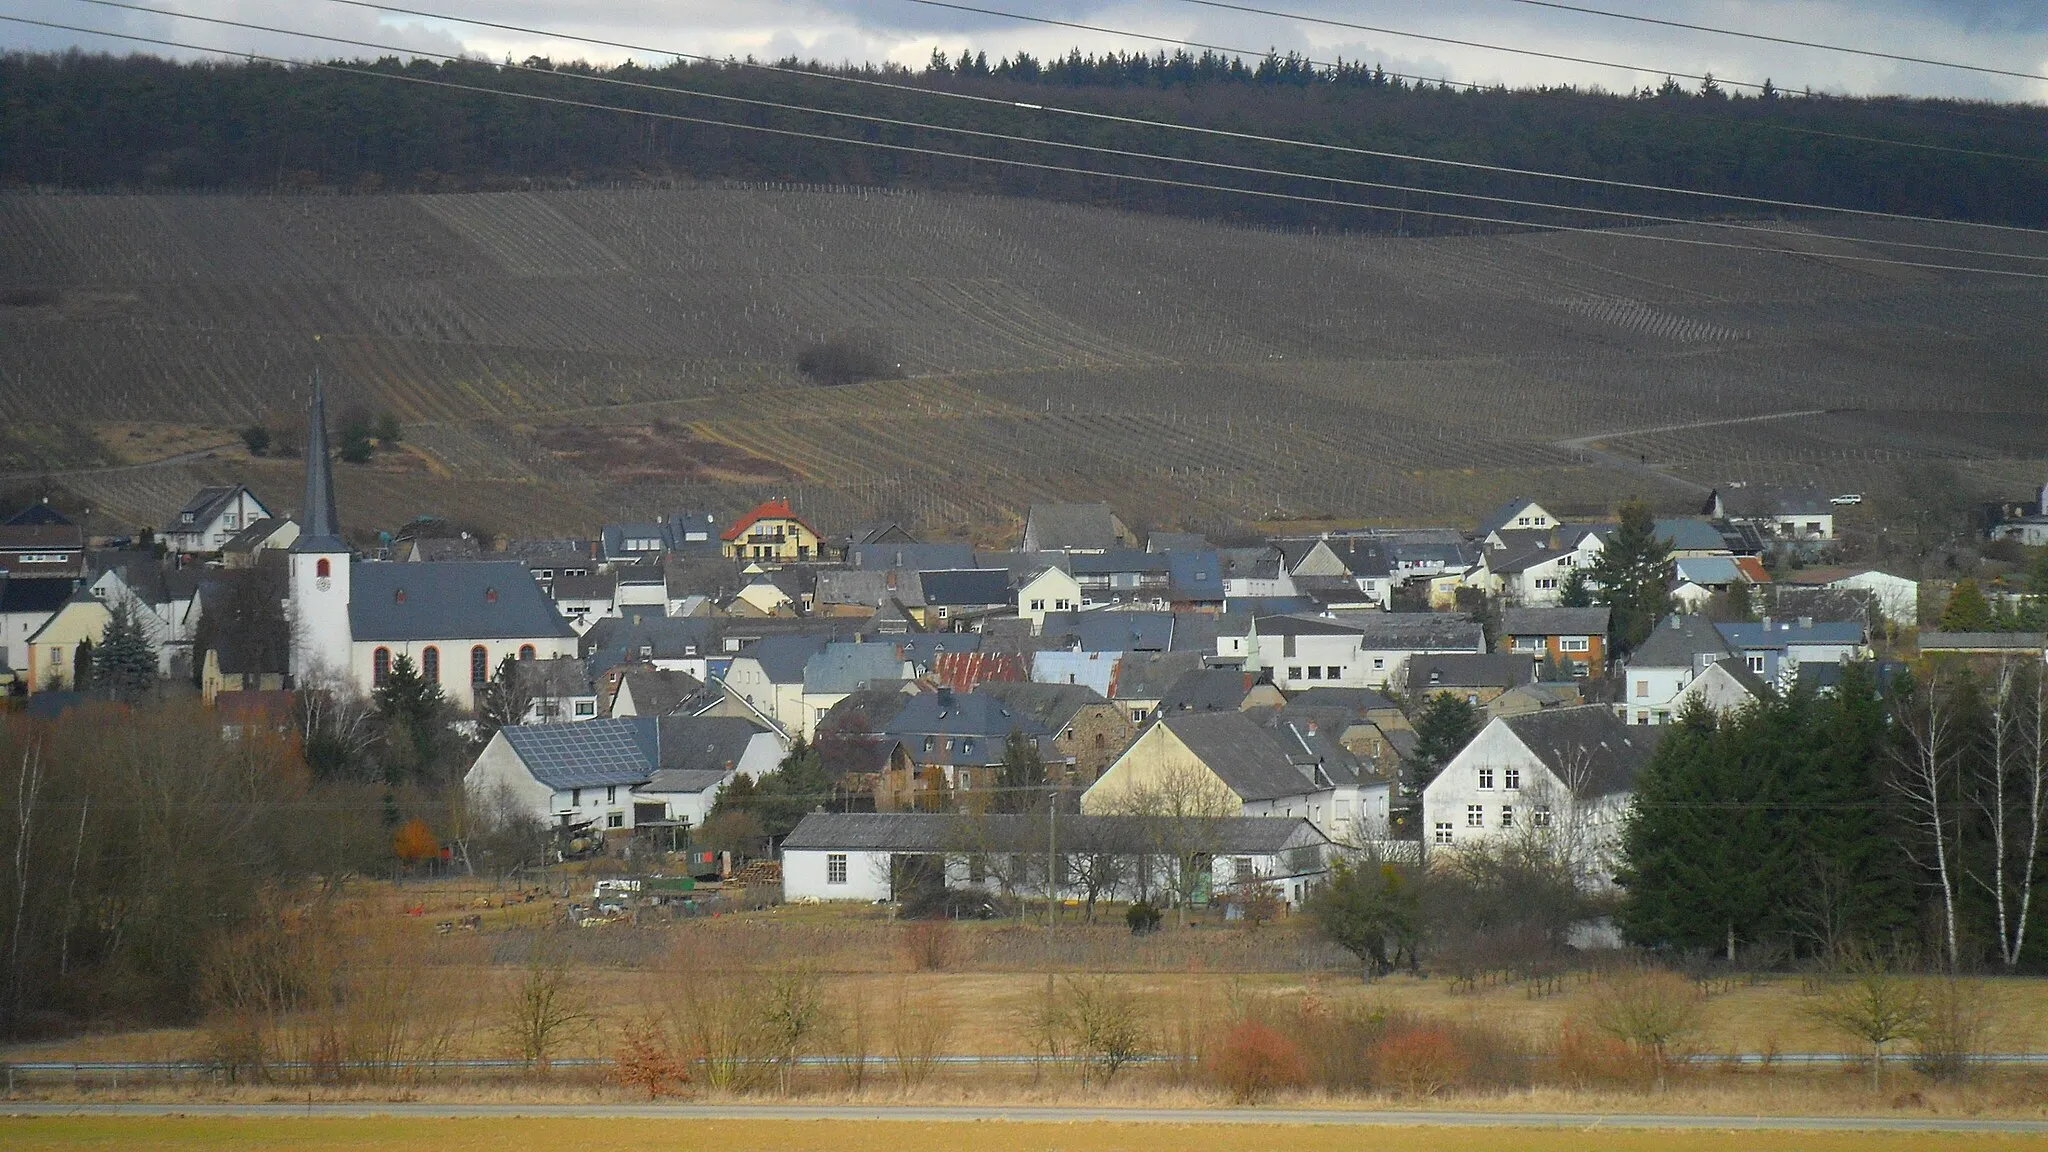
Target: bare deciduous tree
(1878, 1005)
(1926, 757)
(545, 1009)
(2011, 793)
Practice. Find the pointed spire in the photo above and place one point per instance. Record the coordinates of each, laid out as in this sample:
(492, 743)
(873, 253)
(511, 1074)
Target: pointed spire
(1252, 664)
(317, 509)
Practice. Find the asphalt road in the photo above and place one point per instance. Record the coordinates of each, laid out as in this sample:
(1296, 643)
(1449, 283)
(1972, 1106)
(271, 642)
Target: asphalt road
(1274, 1116)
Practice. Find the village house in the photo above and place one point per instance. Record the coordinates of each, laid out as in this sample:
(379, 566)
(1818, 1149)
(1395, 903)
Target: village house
(1563, 777)
(773, 534)
(270, 535)
(957, 741)
(26, 605)
(212, 517)
(1573, 639)
(1893, 599)
(875, 856)
(1075, 528)
(1476, 678)
(54, 650)
(1679, 649)
(53, 551)
(1053, 589)
(1774, 650)
(1088, 731)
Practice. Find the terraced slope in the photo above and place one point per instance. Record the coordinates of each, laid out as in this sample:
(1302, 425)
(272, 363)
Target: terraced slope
(1193, 373)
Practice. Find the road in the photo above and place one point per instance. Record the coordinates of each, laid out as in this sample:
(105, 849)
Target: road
(1045, 1115)
(1621, 463)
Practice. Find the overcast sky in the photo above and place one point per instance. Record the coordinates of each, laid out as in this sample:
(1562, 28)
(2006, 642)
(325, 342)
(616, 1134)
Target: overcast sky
(2005, 34)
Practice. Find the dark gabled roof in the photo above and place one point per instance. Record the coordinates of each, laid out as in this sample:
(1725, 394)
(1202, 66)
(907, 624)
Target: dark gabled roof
(459, 600)
(1781, 633)
(913, 557)
(683, 780)
(1151, 675)
(551, 553)
(41, 538)
(1250, 760)
(1356, 701)
(1588, 748)
(966, 587)
(870, 587)
(875, 707)
(1251, 563)
(1555, 621)
(38, 513)
(703, 743)
(1176, 542)
(1982, 641)
(1207, 690)
(1062, 527)
(1690, 535)
(924, 648)
(783, 657)
(589, 754)
(1413, 630)
(1469, 670)
(1195, 574)
(1302, 624)
(879, 532)
(943, 832)
(946, 713)
(1500, 517)
(845, 667)
(1509, 561)
(19, 594)
(256, 533)
(1196, 631)
(1054, 706)
(657, 692)
(1677, 641)
(1363, 558)
(206, 503)
(619, 640)
(1117, 560)
(1108, 631)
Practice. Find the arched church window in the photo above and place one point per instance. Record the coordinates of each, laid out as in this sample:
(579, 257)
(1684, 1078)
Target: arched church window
(380, 666)
(526, 651)
(430, 665)
(479, 665)
(323, 569)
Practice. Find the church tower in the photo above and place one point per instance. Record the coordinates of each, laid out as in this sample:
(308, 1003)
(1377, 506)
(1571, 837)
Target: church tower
(321, 639)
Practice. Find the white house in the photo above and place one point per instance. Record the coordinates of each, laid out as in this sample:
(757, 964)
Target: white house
(1679, 649)
(1366, 649)
(769, 676)
(1726, 686)
(1894, 598)
(351, 620)
(869, 856)
(26, 604)
(212, 518)
(1052, 590)
(1255, 574)
(1562, 776)
(616, 775)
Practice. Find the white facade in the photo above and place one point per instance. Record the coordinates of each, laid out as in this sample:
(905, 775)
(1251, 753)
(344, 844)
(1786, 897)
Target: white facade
(1050, 591)
(456, 660)
(321, 644)
(1717, 688)
(1652, 693)
(1496, 788)
(831, 875)
(815, 875)
(191, 537)
(1895, 597)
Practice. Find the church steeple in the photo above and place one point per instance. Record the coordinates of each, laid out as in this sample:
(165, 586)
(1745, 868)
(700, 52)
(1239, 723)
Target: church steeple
(322, 527)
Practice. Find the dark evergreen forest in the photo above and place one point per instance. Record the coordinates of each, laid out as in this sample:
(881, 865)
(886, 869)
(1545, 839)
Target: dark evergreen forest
(88, 122)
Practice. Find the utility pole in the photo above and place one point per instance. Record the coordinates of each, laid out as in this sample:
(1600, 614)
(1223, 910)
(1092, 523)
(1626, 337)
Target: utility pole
(1052, 856)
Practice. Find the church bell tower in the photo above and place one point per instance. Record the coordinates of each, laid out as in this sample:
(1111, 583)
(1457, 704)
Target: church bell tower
(321, 639)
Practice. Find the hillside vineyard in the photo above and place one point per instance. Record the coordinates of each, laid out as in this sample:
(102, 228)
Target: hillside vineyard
(554, 354)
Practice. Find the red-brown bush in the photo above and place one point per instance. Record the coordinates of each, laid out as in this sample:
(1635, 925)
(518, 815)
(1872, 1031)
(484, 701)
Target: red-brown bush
(1586, 1058)
(929, 944)
(1420, 1060)
(1257, 1060)
(646, 1062)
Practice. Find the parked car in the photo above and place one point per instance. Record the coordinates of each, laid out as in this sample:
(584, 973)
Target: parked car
(1848, 498)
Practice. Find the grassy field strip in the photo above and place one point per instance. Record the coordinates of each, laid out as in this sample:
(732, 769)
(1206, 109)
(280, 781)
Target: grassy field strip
(916, 1132)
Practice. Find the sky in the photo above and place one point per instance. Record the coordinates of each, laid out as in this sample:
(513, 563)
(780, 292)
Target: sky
(2005, 34)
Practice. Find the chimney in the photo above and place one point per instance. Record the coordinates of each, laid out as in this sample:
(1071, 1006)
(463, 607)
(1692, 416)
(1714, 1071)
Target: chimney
(945, 699)
(890, 579)
(1806, 621)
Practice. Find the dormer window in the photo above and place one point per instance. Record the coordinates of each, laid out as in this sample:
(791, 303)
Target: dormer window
(490, 595)
(398, 596)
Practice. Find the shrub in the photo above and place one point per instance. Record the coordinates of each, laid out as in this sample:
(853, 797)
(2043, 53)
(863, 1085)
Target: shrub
(1142, 918)
(1587, 1058)
(844, 360)
(1424, 1060)
(1951, 1033)
(933, 903)
(1256, 1060)
(929, 944)
(1654, 1012)
(257, 439)
(644, 1061)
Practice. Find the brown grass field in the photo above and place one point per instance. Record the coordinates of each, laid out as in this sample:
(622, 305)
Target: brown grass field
(521, 1135)
(536, 344)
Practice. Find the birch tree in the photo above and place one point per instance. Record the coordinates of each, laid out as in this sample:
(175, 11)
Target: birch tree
(2010, 791)
(1926, 757)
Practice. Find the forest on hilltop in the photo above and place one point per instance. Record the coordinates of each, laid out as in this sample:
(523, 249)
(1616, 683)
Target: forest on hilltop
(96, 122)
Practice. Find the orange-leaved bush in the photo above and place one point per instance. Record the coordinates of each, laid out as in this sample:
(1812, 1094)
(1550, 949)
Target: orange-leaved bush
(414, 842)
(1421, 1060)
(1257, 1060)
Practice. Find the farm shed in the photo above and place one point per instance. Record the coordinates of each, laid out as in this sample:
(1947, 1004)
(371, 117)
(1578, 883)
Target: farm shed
(872, 856)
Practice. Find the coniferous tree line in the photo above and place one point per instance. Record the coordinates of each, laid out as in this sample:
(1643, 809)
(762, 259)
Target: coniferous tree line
(100, 122)
(1901, 818)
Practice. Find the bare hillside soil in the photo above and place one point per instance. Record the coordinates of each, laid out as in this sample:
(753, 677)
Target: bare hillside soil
(1196, 373)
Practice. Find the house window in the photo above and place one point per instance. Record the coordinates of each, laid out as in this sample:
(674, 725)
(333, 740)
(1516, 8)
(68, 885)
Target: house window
(1642, 689)
(479, 665)
(322, 568)
(611, 793)
(1574, 644)
(526, 651)
(1315, 671)
(1038, 605)
(1333, 673)
(575, 797)
(967, 747)
(1241, 868)
(835, 867)
(1294, 673)
(430, 665)
(1756, 664)
(930, 743)
(1511, 778)
(1547, 583)
(1379, 663)
(1062, 605)
(586, 707)
(1507, 815)
(1443, 833)
(1486, 779)
(1475, 816)
(1542, 816)
(380, 666)
(615, 820)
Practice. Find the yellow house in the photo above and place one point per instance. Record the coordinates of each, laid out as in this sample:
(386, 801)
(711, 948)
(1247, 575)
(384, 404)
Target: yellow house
(773, 533)
(215, 679)
(53, 650)
(1171, 769)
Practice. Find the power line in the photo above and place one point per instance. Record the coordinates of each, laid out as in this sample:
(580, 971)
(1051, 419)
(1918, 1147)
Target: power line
(1156, 181)
(1612, 213)
(1227, 5)
(1872, 53)
(840, 78)
(1249, 136)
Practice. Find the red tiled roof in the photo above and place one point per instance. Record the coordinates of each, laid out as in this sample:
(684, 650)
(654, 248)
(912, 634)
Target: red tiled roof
(772, 510)
(1752, 569)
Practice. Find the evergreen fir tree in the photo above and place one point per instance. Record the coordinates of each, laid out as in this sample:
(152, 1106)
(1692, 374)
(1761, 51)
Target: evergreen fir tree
(1633, 576)
(124, 663)
(1577, 591)
(1967, 610)
(409, 711)
(1446, 725)
(800, 785)
(1022, 768)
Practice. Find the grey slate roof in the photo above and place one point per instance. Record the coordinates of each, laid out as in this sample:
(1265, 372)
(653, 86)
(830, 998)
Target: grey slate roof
(1059, 527)
(1555, 621)
(1151, 675)
(1251, 563)
(207, 502)
(18, 594)
(1781, 633)
(255, 533)
(1468, 670)
(1504, 515)
(590, 754)
(322, 527)
(1588, 744)
(657, 692)
(1678, 641)
(942, 832)
(1195, 574)
(1690, 536)
(1109, 631)
(703, 743)
(481, 600)
(870, 588)
(624, 640)
(1247, 758)
(1176, 542)
(784, 658)
(1207, 690)
(1982, 641)
(966, 587)
(947, 713)
(845, 667)
(596, 586)
(913, 557)
(1054, 706)
(1357, 701)
(1417, 630)
(1508, 561)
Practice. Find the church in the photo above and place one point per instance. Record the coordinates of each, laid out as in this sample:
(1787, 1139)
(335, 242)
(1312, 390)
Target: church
(352, 618)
